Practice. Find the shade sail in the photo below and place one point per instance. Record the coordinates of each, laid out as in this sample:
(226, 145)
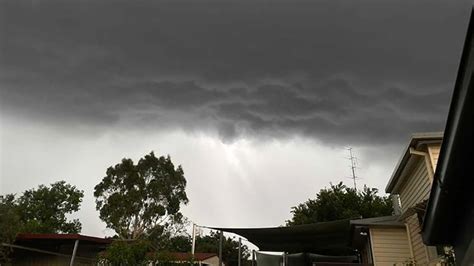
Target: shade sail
(323, 238)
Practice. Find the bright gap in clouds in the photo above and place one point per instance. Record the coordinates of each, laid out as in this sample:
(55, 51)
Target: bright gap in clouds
(241, 184)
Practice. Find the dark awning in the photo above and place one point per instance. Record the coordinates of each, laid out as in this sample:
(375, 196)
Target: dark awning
(451, 199)
(323, 238)
(450, 213)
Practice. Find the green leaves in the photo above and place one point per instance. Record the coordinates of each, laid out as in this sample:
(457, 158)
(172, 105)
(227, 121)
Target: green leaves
(126, 253)
(134, 198)
(43, 210)
(230, 248)
(9, 224)
(341, 202)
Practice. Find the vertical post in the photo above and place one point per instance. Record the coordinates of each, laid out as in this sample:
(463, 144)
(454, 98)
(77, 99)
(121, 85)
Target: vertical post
(220, 248)
(353, 167)
(194, 240)
(240, 252)
(284, 259)
(253, 257)
(74, 251)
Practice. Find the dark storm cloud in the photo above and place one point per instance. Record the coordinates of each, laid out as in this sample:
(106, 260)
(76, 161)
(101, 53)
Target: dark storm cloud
(332, 70)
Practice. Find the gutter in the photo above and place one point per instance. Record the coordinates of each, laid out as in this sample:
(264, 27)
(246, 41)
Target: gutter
(451, 193)
(417, 139)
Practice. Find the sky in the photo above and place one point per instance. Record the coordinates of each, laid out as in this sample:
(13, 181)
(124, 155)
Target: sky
(256, 100)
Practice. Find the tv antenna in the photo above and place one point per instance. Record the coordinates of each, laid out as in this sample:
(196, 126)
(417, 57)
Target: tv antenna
(353, 166)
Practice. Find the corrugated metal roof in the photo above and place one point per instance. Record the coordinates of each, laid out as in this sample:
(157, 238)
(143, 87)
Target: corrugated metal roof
(29, 237)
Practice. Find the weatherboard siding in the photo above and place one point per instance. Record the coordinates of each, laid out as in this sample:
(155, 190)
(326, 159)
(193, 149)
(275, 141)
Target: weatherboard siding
(417, 186)
(389, 246)
(419, 249)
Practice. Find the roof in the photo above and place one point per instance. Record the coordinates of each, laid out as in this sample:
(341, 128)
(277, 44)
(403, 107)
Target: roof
(182, 256)
(326, 238)
(379, 221)
(62, 237)
(416, 140)
(451, 202)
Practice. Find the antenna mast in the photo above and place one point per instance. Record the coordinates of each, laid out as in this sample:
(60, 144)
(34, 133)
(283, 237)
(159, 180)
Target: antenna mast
(353, 166)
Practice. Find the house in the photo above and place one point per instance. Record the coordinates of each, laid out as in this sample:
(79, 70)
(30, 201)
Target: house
(410, 186)
(57, 249)
(397, 239)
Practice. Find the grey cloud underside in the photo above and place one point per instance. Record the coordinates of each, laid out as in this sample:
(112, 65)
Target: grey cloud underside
(338, 72)
(329, 113)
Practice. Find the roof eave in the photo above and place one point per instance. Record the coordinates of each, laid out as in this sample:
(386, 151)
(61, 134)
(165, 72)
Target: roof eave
(448, 185)
(416, 138)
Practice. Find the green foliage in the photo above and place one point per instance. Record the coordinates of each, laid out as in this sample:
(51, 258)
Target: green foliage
(447, 257)
(9, 224)
(172, 237)
(43, 210)
(230, 248)
(209, 244)
(341, 202)
(179, 243)
(137, 200)
(126, 253)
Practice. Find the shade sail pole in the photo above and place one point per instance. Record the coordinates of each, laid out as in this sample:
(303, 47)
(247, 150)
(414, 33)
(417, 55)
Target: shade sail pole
(194, 240)
(253, 257)
(240, 252)
(74, 251)
(220, 247)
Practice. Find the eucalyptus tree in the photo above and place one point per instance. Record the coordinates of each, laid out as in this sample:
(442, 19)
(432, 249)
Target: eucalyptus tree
(143, 199)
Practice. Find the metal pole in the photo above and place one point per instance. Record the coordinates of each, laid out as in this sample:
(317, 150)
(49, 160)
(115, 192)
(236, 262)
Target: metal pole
(220, 248)
(240, 252)
(253, 257)
(74, 251)
(353, 166)
(194, 240)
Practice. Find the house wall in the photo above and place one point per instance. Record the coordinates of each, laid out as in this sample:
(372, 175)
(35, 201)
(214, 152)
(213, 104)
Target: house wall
(416, 189)
(389, 246)
(419, 249)
(417, 186)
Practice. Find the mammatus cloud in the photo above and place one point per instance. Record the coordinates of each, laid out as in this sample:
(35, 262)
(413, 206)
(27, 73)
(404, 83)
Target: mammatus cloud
(336, 72)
